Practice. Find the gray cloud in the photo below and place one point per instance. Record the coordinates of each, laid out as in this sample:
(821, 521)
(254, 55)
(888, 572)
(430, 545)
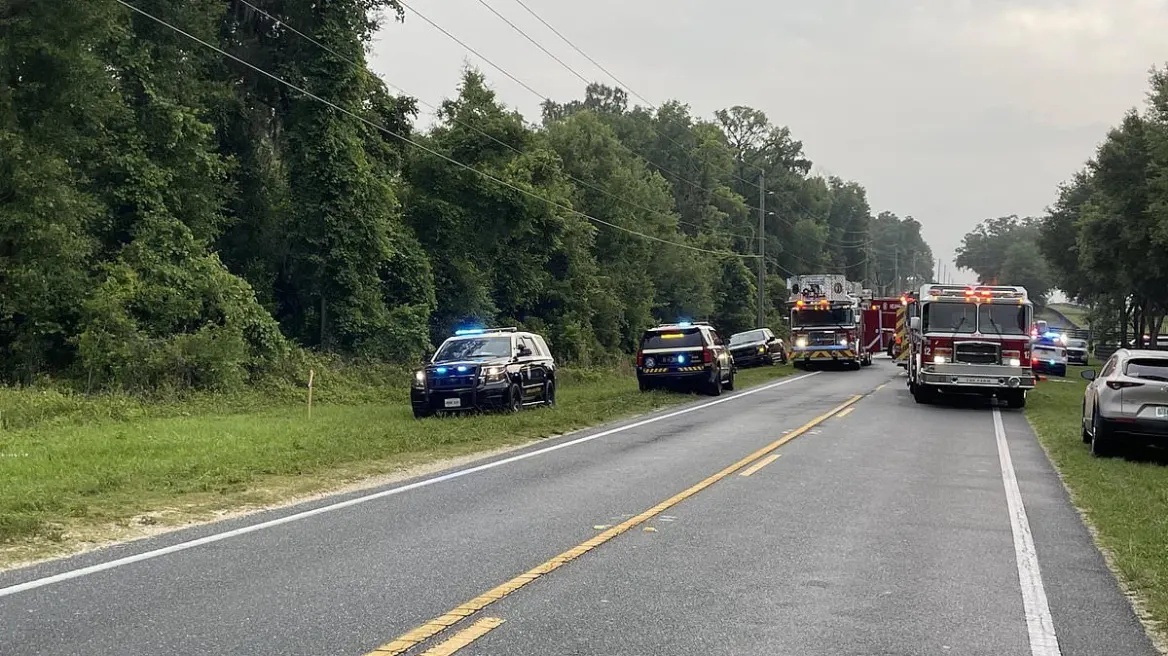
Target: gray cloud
(952, 111)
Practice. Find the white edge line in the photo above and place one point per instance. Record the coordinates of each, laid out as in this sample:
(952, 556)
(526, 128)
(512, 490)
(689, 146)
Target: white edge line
(1039, 623)
(216, 537)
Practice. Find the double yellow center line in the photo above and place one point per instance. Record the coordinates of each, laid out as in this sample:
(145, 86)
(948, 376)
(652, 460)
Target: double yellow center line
(413, 638)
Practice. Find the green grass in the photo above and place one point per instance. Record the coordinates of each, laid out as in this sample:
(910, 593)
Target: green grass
(1125, 500)
(73, 467)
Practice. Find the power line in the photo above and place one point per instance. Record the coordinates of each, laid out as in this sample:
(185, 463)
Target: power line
(537, 44)
(573, 71)
(541, 96)
(586, 80)
(413, 143)
(284, 24)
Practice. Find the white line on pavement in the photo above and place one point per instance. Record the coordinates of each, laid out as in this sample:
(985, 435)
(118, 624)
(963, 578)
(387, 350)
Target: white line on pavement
(1039, 623)
(216, 537)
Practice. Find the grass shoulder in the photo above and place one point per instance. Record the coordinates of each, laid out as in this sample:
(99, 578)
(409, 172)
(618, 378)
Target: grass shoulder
(84, 471)
(1125, 501)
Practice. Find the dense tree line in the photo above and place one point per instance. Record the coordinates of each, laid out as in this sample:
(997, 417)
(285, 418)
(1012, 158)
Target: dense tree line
(170, 216)
(1104, 241)
(1005, 251)
(1106, 236)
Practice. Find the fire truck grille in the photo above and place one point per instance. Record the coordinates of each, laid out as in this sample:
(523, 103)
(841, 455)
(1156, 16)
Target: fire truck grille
(977, 353)
(821, 339)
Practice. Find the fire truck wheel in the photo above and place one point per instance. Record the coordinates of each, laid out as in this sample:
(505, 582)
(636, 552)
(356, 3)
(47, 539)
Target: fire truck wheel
(801, 366)
(922, 393)
(854, 365)
(1016, 399)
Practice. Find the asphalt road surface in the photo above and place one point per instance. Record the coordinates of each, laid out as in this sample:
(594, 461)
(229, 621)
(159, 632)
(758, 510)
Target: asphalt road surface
(881, 528)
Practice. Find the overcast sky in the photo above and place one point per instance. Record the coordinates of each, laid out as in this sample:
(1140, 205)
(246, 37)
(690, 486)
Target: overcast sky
(952, 111)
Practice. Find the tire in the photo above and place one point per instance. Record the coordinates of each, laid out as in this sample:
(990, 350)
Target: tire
(514, 399)
(854, 365)
(1016, 399)
(646, 385)
(730, 381)
(714, 388)
(1062, 371)
(1102, 441)
(1084, 433)
(801, 366)
(422, 414)
(549, 393)
(922, 394)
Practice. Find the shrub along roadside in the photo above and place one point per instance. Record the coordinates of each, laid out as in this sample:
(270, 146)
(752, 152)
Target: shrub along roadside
(84, 464)
(1124, 499)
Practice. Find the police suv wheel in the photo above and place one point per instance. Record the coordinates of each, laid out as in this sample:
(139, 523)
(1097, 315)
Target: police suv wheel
(514, 398)
(730, 381)
(549, 393)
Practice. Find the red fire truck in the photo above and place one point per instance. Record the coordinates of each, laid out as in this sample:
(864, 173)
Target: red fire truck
(827, 324)
(880, 323)
(970, 339)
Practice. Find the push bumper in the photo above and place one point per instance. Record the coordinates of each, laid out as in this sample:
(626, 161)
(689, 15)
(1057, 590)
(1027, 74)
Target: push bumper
(674, 373)
(750, 359)
(974, 376)
(823, 353)
(489, 395)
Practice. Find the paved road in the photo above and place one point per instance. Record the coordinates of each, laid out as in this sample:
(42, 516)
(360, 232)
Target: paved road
(884, 529)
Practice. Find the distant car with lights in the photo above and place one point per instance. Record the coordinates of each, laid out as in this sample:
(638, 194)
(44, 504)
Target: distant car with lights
(758, 347)
(485, 368)
(685, 354)
(1048, 350)
(1127, 398)
(1077, 352)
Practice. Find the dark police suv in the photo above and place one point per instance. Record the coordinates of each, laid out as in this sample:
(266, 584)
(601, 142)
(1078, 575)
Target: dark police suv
(496, 368)
(684, 354)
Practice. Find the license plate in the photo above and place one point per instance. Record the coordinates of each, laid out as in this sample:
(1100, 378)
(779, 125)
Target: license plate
(453, 403)
(1162, 412)
(977, 380)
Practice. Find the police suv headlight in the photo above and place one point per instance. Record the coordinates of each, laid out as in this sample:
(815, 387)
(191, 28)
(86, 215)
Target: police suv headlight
(762, 349)
(419, 379)
(494, 374)
(938, 359)
(1015, 362)
(801, 342)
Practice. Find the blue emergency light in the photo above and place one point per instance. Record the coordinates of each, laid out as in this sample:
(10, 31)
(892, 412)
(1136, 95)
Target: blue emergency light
(441, 370)
(470, 331)
(461, 368)
(681, 359)
(685, 324)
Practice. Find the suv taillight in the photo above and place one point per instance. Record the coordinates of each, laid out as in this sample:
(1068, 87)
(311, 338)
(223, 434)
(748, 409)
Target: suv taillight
(640, 358)
(707, 356)
(1120, 384)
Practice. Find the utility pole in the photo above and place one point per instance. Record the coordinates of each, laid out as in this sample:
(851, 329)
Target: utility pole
(761, 250)
(896, 286)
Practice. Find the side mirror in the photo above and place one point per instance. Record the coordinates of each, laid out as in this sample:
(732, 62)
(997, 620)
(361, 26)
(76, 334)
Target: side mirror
(914, 323)
(1088, 374)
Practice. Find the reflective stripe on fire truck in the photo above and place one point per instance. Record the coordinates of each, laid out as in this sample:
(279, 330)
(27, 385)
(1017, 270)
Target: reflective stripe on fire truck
(901, 346)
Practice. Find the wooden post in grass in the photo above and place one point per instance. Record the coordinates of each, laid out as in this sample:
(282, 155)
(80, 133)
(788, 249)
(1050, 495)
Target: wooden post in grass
(311, 375)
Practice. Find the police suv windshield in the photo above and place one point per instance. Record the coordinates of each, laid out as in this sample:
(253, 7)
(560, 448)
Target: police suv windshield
(474, 348)
(832, 317)
(746, 338)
